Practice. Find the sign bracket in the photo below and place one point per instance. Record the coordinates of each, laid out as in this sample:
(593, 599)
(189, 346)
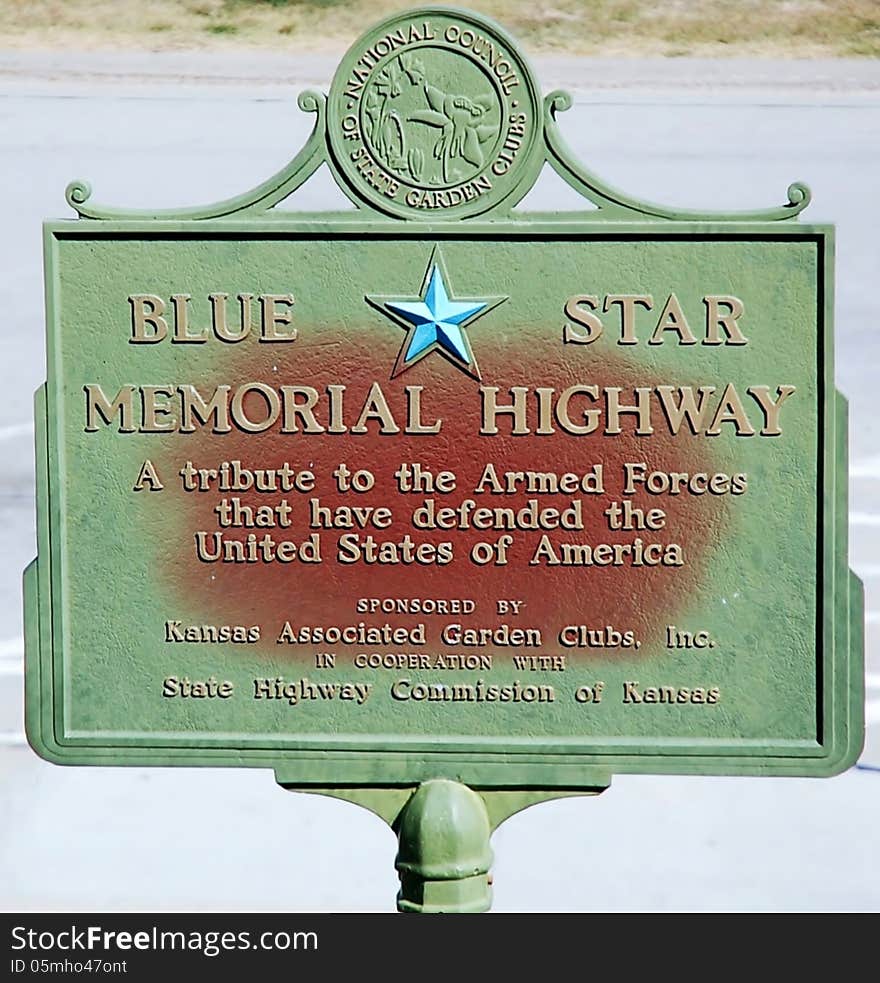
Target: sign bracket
(443, 829)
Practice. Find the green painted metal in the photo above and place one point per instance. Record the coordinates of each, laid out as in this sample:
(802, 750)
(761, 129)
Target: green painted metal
(745, 658)
(444, 856)
(78, 533)
(387, 802)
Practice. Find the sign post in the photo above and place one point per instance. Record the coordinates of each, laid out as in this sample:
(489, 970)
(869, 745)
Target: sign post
(434, 505)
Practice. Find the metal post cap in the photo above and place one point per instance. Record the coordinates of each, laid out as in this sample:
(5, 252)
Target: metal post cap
(444, 855)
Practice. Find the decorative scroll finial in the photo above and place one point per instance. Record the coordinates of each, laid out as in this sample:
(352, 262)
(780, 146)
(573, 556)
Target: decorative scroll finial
(614, 203)
(259, 199)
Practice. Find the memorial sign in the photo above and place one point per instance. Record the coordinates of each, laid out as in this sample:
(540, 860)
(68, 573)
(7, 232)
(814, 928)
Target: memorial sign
(434, 492)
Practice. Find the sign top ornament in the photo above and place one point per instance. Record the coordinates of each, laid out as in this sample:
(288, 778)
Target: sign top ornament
(434, 111)
(435, 115)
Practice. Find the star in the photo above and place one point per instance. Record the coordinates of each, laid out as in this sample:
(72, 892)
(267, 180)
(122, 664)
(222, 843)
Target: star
(434, 322)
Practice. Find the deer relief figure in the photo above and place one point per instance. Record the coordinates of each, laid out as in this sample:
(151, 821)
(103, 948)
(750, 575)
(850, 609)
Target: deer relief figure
(460, 120)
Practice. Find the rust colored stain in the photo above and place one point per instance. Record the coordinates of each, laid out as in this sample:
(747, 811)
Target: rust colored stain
(628, 598)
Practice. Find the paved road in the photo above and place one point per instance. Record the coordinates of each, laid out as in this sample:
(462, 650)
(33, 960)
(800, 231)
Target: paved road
(180, 129)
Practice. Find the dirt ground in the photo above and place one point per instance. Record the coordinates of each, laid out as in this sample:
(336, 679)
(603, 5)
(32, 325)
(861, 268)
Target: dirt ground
(616, 28)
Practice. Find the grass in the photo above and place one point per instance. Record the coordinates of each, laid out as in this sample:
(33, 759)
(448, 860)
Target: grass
(762, 28)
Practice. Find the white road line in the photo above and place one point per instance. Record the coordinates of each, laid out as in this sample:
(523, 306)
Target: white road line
(872, 713)
(865, 570)
(12, 738)
(867, 467)
(864, 518)
(16, 430)
(872, 617)
(872, 680)
(12, 657)
(12, 647)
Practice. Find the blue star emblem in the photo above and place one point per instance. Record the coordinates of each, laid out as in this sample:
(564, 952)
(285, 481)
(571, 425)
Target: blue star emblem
(435, 321)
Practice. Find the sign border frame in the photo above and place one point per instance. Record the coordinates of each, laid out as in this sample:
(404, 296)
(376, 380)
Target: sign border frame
(487, 761)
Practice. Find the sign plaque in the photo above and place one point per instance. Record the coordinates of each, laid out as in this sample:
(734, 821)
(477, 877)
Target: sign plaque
(434, 502)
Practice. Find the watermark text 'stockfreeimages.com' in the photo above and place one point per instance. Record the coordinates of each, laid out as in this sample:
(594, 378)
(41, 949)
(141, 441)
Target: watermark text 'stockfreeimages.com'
(94, 938)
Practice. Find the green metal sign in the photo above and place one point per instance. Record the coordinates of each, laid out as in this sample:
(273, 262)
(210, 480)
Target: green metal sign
(433, 492)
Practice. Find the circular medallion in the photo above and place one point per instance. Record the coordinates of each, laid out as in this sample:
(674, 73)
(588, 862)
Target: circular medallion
(434, 115)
